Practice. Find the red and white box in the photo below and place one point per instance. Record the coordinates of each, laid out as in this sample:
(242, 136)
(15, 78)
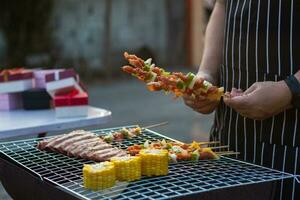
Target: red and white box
(72, 104)
(40, 77)
(11, 101)
(15, 80)
(62, 81)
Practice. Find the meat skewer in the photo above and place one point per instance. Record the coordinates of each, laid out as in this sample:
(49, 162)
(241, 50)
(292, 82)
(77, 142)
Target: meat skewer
(177, 151)
(128, 133)
(179, 83)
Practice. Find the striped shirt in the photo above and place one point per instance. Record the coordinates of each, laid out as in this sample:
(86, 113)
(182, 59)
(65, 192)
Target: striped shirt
(261, 44)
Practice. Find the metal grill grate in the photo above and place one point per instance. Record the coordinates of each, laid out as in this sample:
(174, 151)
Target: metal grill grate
(185, 178)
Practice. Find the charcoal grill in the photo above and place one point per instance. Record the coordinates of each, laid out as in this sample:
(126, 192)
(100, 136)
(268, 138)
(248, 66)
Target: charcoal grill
(48, 175)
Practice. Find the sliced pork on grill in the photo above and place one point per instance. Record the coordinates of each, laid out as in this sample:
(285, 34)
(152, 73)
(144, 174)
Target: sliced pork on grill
(81, 144)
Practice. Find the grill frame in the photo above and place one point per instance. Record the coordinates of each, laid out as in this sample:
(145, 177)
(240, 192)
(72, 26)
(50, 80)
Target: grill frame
(177, 184)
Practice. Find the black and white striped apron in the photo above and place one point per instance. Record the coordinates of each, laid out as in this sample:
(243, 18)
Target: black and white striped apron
(262, 43)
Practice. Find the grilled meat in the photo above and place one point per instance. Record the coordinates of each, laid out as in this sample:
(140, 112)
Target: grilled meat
(81, 144)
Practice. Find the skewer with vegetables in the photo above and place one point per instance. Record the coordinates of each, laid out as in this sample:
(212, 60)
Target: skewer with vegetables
(178, 151)
(128, 133)
(124, 133)
(179, 83)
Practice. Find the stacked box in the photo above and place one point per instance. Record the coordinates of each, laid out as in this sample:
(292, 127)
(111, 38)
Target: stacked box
(71, 104)
(10, 101)
(35, 99)
(62, 81)
(36, 89)
(40, 77)
(15, 80)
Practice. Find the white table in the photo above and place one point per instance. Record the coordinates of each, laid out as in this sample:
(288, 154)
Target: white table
(21, 122)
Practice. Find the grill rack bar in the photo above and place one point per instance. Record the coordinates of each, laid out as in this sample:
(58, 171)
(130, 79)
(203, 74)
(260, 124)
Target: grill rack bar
(185, 178)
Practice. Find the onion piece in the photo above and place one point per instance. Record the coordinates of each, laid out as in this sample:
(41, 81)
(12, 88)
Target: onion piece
(153, 77)
(192, 83)
(148, 61)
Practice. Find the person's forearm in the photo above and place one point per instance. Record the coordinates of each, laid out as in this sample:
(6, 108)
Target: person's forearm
(213, 45)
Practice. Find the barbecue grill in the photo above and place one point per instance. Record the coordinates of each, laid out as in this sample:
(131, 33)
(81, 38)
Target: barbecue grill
(27, 172)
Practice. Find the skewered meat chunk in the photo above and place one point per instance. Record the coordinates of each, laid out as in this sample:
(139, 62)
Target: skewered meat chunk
(81, 144)
(179, 83)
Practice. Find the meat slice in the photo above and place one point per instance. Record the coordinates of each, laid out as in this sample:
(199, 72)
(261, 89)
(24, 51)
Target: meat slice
(89, 153)
(105, 154)
(63, 146)
(83, 140)
(42, 144)
(52, 144)
(110, 154)
(81, 144)
(121, 154)
(87, 149)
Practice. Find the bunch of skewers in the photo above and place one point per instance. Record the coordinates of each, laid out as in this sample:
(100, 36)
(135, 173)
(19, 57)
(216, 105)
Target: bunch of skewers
(177, 151)
(179, 83)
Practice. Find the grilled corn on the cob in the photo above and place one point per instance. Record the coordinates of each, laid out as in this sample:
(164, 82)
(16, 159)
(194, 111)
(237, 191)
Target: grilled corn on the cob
(99, 176)
(154, 162)
(128, 168)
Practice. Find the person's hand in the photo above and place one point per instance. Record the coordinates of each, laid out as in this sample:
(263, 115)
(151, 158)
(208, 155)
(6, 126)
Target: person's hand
(261, 100)
(199, 103)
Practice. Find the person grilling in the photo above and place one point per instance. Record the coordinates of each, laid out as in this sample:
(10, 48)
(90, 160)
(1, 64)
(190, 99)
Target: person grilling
(252, 49)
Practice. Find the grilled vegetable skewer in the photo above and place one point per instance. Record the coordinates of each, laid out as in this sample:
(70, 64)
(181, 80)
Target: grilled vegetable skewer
(179, 83)
(177, 151)
(127, 133)
(124, 133)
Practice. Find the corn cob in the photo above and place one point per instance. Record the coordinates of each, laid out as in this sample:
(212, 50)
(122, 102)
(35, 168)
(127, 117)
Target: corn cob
(128, 168)
(99, 176)
(154, 162)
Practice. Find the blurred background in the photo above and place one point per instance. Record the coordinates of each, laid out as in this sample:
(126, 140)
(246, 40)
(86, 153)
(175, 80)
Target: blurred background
(91, 36)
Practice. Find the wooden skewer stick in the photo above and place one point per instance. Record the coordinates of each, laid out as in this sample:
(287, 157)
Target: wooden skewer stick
(220, 147)
(155, 125)
(207, 143)
(227, 153)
